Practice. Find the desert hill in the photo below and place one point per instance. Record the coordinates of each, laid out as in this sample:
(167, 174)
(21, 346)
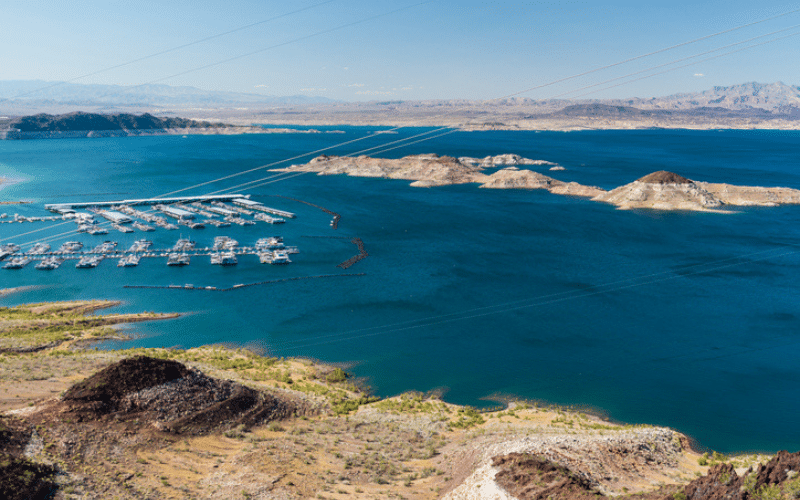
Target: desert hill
(80, 121)
(668, 191)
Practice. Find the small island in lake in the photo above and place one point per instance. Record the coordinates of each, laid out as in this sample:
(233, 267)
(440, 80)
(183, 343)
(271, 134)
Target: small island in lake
(660, 190)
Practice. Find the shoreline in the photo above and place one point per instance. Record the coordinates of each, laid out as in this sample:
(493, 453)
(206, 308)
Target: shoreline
(93, 134)
(87, 343)
(313, 428)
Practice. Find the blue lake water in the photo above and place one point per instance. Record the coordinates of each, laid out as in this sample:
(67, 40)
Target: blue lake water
(688, 320)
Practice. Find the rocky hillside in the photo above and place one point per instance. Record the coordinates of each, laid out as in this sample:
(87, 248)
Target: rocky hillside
(775, 97)
(80, 121)
(429, 170)
(668, 191)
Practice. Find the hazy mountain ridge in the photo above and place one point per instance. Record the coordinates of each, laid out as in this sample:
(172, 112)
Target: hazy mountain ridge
(37, 91)
(746, 106)
(769, 96)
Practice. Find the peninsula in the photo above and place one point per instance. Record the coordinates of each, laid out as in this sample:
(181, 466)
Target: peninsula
(215, 422)
(80, 124)
(660, 190)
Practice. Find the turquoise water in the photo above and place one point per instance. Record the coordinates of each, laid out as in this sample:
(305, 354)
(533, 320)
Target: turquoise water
(681, 319)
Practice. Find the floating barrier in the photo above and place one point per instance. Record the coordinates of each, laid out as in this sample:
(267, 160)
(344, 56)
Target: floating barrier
(336, 217)
(243, 285)
(362, 254)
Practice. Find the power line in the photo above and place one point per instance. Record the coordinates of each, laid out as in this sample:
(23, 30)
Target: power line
(437, 116)
(659, 51)
(677, 61)
(466, 315)
(282, 44)
(167, 51)
(691, 64)
(603, 288)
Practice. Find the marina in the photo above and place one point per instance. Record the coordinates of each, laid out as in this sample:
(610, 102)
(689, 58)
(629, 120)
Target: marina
(224, 251)
(129, 216)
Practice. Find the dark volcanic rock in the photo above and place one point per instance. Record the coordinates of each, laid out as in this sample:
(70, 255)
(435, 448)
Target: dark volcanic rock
(664, 177)
(528, 477)
(722, 482)
(108, 386)
(80, 121)
(171, 397)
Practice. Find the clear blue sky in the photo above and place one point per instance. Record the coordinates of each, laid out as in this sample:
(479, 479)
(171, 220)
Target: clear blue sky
(442, 49)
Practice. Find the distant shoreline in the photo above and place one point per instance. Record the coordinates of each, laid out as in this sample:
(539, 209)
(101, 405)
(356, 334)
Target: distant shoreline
(81, 134)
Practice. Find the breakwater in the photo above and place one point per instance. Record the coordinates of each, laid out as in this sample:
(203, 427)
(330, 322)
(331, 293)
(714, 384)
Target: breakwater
(362, 254)
(336, 217)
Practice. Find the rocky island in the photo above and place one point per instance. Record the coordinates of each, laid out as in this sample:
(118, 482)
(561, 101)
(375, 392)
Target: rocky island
(427, 170)
(664, 190)
(220, 423)
(660, 190)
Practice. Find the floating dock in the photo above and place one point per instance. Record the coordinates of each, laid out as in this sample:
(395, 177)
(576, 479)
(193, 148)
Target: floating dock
(59, 207)
(254, 205)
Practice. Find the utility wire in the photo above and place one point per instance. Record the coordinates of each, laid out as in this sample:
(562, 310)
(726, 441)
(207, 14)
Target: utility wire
(167, 51)
(282, 44)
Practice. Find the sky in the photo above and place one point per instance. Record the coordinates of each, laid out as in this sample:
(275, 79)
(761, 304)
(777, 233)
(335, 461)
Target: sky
(359, 50)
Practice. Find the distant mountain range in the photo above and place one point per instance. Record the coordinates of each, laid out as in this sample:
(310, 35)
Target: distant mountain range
(32, 92)
(745, 106)
(775, 97)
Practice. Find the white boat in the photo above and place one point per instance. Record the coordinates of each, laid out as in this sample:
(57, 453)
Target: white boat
(178, 259)
(268, 219)
(49, 264)
(274, 257)
(17, 263)
(89, 261)
(271, 243)
(39, 249)
(224, 258)
(224, 243)
(140, 245)
(121, 228)
(143, 227)
(97, 230)
(183, 244)
(105, 247)
(70, 246)
(131, 260)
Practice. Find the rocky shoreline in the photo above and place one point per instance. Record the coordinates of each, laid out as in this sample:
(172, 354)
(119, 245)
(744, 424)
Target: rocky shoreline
(208, 421)
(660, 190)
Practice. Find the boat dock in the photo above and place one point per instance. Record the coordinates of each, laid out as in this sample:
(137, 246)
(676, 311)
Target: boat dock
(141, 250)
(59, 207)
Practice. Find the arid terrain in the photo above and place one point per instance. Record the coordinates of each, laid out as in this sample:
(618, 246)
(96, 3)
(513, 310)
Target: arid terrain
(215, 422)
(660, 190)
